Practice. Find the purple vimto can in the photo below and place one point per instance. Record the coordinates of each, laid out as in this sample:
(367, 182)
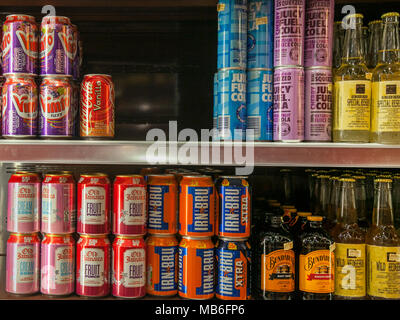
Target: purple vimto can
(58, 46)
(20, 107)
(318, 104)
(289, 33)
(318, 37)
(20, 45)
(289, 104)
(76, 68)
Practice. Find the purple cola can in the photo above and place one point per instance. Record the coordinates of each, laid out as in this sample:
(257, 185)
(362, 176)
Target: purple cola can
(318, 37)
(289, 33)
(289, 104)
(318, 104)
(20, 106)
(58, 46)
(20, 45)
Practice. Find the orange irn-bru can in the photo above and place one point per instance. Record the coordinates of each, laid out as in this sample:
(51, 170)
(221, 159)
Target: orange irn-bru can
(162, 195)
(196, 206)
(162, 265)
(196, 268)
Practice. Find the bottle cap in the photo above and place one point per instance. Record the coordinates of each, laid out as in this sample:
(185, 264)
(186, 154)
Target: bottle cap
(382, 180)
(347, 180)
(314, 218)
(304, 214)
(390, 14)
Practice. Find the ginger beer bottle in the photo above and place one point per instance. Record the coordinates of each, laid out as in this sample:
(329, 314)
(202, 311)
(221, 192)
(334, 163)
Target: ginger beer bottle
(385, 113)
(361, 202)
(316, 262)
(374, 43)
(352, 88)
(333, 202)
(396, 201)
(383, 247)
(350, 255)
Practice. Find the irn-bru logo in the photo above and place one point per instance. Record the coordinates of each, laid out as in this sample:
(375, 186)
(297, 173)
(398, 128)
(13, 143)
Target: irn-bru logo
(156, 196)
(28, 43)
(201, 209)
(231, 274)
(25, 105)
(167, 268)
(235, 210)
(25, 253)
(54, 108)
(182, 253)
(65, 254)
(46, 42)
(207, 272)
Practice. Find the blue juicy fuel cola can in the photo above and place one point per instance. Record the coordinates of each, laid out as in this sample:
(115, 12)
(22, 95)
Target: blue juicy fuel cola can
(260, 104)
(232, 111)
(260, 34)
(232, 34)
(215, 106)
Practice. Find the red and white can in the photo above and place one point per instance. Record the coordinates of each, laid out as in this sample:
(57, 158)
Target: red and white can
(57, 265)
(129, 267)
(97, 107)
(130, 212)
(93, 266)
(94, 197)
(23, 205)
(22, 263)
(58, 203)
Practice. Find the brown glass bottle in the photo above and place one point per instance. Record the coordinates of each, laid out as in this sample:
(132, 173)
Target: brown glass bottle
(350, 259)
(316, 262)
(383, 247)
(333, 203)
(396, 201)
(277, 262)
(323, 202)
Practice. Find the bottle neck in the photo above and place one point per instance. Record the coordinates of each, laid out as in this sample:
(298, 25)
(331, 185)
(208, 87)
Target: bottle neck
(347, 213)
(383, 212)
(374, 45)
(324, 196)
(353, 50)
(361, 199)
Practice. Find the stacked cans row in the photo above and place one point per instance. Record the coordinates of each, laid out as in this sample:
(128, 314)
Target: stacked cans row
(55, 49)
(303, 98)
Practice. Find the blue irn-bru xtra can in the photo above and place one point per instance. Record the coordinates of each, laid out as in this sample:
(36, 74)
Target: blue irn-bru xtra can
(232, 111)
(260, 34)
(196, 268)
(233, 268)
(233, 207)
(260, 104)
(232, 34)
(215, 106)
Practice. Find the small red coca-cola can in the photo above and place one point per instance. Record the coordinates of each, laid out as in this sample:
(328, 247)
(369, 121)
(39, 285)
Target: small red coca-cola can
(130, 214)
(97, 119)
(93, 266)
(129, 267)
(94, 197)
(58, 203)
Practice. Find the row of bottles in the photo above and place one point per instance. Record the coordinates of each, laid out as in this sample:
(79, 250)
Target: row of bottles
(367, 101)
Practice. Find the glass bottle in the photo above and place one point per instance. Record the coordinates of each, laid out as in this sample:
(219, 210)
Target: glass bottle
(287, 184)
(333, 202)
(323, 202)
(396, 201)
(352, 89)
(350, 259)
(365, 37)
(383, 246)
(374, 43)
(361, 202)
(337, 45)
(277, 263)
(385, 111)
(316, 262)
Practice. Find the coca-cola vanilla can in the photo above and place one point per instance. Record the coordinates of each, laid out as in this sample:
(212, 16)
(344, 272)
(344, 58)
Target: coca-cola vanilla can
(94, 200)
(130, 214)
(93, 266)
(129, 267)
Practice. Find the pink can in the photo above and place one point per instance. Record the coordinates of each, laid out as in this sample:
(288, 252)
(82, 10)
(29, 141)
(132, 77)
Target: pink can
(318, 37)
(318, 104)
(289, 104)
(58, 203)
(57, 265)
(23, 205)
(22, 266)
(289, 33)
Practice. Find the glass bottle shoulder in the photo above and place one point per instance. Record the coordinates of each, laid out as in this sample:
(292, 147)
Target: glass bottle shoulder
(315, 240)
(276, 236)
(349, 233)
(386, 72)
(347, 72)
(383, 236)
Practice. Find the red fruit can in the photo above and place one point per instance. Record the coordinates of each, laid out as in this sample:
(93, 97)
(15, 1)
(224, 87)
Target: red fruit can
(129, 267)
(94, 197)
(130, 212)
(196, 206)
(58, 203)
(97, 107)
(162, 193)
(93, 266)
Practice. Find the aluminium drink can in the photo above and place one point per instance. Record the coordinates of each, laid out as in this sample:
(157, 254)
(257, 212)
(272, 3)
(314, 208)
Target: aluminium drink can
(232, 110)
(215, 107)
(289, 104)
(260, 34)
(232, 34)
(260, 104)
(318, 104)
(289, 33)
(76, 68)
(318, 37)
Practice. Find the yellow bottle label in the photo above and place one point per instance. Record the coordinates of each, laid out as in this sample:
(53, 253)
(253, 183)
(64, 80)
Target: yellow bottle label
(352, 105)
(350, 266)
(383, 264)
(316, 272)
(277, 271)
(385, 113)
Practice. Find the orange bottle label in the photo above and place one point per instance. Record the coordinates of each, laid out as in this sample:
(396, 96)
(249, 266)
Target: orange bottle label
(277, 271)
(316, 272)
